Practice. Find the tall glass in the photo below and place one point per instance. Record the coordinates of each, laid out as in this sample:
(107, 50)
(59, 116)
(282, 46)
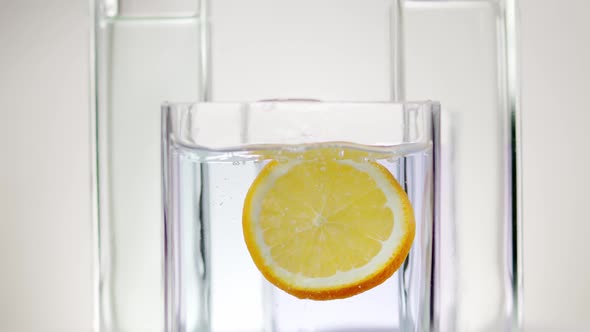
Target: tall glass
(475, 77)
(145, 52)
(215, 153)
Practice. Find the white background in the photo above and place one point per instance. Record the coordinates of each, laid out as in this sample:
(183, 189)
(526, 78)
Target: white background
(45, 239)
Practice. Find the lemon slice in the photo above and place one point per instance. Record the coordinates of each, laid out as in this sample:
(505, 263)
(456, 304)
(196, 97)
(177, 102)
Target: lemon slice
(327, 229)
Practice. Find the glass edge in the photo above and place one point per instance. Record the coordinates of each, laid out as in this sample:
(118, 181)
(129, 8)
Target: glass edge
(513, 39)
(164, 178)
(92, 11)
(111, 9)
(175, 104)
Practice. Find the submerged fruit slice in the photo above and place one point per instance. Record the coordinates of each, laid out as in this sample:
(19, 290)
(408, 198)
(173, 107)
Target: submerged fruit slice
(326, 229)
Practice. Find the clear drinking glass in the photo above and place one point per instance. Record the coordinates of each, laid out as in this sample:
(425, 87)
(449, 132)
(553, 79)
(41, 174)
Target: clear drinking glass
(212, 153)
(145, 52)
(474, 75)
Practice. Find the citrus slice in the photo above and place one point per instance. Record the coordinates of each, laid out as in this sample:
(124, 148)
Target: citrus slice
(327, 229)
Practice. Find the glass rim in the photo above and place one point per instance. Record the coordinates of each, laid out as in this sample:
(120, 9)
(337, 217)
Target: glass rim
(297, 124)
(301, 101)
